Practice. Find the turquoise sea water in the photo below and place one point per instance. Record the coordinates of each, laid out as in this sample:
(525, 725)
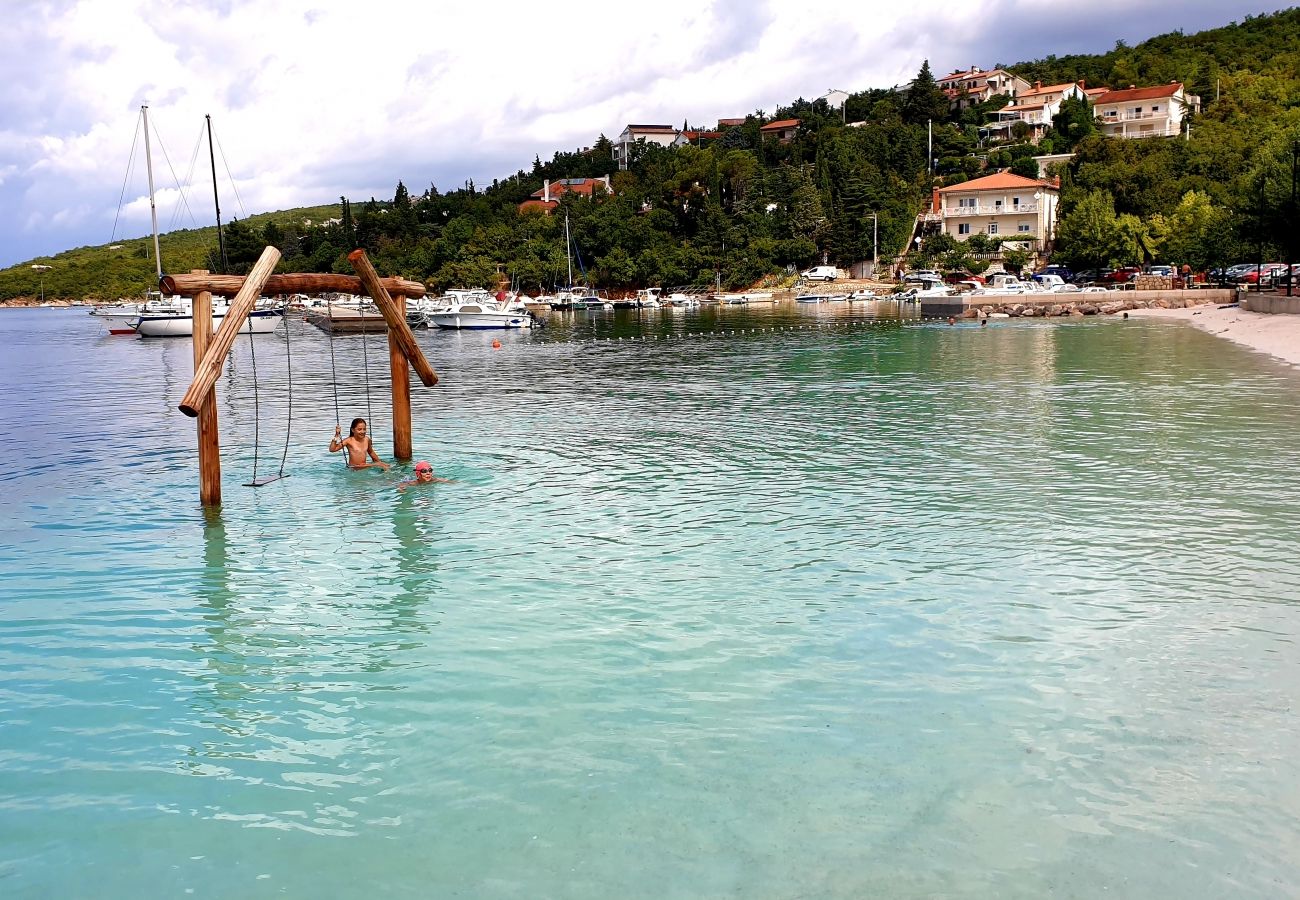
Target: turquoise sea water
(839, 611)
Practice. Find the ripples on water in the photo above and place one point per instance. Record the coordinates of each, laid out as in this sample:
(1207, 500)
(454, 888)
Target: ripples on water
(846, 610)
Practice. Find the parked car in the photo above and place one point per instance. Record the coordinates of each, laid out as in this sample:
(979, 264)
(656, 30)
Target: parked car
(1163, 271)
(1261, 275)
(1087, 276)
(1061, 272)
(1122, 275)
(820, 273)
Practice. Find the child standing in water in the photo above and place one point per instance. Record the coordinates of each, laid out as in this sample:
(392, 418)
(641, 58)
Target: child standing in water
(358, 446)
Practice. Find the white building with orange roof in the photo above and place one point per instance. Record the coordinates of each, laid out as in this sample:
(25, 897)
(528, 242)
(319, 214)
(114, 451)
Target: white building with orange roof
(1036, 107)
(976, 85)
(1145, 112)
(1002, 205)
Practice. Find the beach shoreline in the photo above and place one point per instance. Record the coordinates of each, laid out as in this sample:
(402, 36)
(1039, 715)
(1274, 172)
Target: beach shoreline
(1277, 335)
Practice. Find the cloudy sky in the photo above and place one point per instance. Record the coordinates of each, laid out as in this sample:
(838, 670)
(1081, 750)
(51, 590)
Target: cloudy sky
(315, 100)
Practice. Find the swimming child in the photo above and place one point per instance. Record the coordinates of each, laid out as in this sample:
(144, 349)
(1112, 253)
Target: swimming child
(423, 475)
(358, 445)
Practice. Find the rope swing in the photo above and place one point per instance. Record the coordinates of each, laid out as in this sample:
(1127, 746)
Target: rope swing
(257, 412)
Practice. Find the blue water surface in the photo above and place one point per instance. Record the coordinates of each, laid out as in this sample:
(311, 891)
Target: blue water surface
(761, 603)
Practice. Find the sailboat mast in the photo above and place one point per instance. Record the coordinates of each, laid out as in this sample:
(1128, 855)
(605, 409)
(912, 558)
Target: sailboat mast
(221, 243)
(153, 208)
(568, 248)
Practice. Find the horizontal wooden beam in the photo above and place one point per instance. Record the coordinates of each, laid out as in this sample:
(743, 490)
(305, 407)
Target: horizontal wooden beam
(303, 283)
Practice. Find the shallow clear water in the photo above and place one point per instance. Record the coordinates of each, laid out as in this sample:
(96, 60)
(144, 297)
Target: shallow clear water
(813, 607)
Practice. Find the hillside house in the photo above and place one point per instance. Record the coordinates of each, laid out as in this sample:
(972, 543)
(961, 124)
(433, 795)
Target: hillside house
(548, 197)
(1145, 112)
(835, 98)
(1036, 107)
(698, 138)
(976, 85)
(783, 130)
(663, 135)
(1002, 205)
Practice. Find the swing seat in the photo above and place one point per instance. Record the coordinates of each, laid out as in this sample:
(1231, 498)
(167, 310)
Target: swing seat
(262, 482)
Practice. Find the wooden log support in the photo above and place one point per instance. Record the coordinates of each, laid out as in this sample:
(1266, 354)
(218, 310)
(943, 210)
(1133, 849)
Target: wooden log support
(209, 369)
(209, 441)
(299, 283)
(401, 372)
(395, 317)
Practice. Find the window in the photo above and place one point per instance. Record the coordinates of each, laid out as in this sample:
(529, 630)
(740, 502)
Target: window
(1155, 109)
(963, 228)
(1022, 227)
(1015, 202)
(997, 206)
(963, 202)
(993, 228)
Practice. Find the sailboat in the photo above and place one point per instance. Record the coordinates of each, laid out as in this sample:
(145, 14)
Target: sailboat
(175, 318)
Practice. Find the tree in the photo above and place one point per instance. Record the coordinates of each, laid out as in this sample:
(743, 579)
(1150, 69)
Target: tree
(1198, 234)
(1073, 123)
(923, 101)
(1087, 236)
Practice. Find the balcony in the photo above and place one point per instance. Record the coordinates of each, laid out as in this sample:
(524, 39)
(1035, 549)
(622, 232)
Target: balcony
(1131, 116)
(951, 212)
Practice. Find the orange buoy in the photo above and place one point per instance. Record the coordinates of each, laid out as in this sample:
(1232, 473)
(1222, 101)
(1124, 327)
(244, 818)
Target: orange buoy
(496, 345)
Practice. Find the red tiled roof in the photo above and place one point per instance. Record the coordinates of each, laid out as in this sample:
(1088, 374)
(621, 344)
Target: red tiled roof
(560, 186)
(545, 205)
(728, 123)
(1146, 93)
(696, 135)
(1049, 89)
(781, 125)
(998, 181)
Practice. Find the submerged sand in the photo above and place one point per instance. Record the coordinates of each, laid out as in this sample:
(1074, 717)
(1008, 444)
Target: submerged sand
(1278, 335)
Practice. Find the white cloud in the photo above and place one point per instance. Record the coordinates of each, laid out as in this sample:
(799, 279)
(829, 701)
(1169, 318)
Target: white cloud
(339, 98)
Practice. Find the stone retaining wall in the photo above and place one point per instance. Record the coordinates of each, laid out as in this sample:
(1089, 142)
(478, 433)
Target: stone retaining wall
(1270, 303)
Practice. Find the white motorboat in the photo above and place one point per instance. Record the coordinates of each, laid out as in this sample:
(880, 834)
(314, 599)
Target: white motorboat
(926, 284)
(474, 312)
(679, 300)
(648, 298)
(260, 321)
(812, 298)
(120, 318)
(1002, 284)
(745, 298)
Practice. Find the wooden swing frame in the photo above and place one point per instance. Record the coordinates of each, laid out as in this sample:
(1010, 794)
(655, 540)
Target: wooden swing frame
(210, 350)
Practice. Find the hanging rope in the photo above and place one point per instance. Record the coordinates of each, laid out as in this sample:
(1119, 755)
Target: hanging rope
(288, 368)
(334, 375)
(257, 413)
(365, 364)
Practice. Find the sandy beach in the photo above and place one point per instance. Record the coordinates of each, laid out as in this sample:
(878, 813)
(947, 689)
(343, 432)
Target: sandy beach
(1276, 335)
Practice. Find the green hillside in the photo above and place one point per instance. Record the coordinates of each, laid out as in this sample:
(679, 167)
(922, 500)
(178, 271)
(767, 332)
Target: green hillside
(126, 268)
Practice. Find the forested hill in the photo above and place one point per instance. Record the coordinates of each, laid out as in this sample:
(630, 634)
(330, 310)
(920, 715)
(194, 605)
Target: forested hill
(737, 208)
(1267, 45)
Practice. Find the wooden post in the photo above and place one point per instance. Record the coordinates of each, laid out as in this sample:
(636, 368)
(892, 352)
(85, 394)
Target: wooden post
(401, 372)
(209, 443)
(208, 370)
(398, 330)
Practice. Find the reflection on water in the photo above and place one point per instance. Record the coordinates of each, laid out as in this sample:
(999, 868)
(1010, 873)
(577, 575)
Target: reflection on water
(742, 601)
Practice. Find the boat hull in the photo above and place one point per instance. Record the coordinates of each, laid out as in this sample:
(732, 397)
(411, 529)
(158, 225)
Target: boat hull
(259, 322)
(480, 321)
